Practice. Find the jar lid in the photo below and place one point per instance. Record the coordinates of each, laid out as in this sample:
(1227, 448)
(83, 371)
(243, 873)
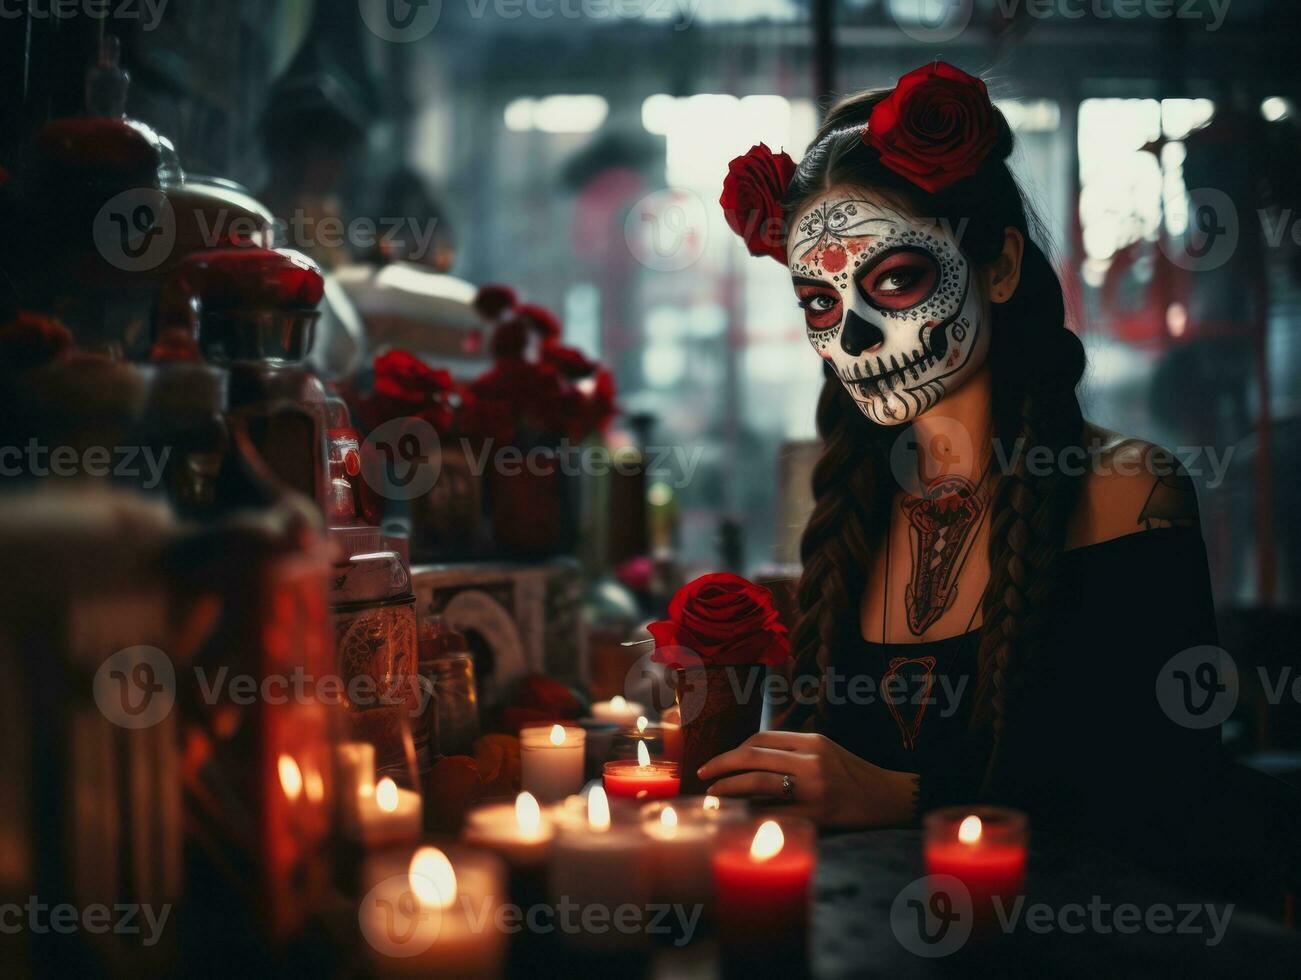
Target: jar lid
(378, 576)
(249, 278)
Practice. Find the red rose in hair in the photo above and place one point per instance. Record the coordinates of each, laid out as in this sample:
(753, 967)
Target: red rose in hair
(492, 301)
(751, 199)
(935, 128)
(723, 620)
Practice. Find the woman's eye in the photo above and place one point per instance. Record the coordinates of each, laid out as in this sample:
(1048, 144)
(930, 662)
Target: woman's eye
(821, 310)
(901, 279)
(820, 304)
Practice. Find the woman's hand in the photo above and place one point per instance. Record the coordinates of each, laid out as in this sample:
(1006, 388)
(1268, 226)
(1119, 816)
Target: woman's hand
(831, 786)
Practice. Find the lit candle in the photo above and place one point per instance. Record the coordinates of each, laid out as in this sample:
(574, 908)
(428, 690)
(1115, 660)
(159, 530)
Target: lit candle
(710, 809)
(598, 864)
(681, 842)
(641, 779)
(551, 761)
(618, 710)
(355, 764)
(390, 816)
(983, 847)
(434, 918)
(763, 875)
(519, 832)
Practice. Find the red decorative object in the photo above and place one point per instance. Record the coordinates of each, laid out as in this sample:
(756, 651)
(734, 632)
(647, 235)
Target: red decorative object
(627, 779)
(257, 278)
(720, 620)
(494, 300)
(31, 340)
(935, 128)
(751, 199)
(721, 634)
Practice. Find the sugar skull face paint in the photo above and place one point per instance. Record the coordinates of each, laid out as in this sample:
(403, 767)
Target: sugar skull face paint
(890, 301)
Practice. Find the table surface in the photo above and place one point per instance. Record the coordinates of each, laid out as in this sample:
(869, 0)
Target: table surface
(861, 874)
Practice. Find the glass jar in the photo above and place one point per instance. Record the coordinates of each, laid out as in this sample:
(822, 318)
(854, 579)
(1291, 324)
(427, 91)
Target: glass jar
(375, 631)
(457, 710)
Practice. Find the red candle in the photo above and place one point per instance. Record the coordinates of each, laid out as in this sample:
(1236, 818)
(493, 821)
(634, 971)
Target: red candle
(763, 876)
(983, 847)
(626, 780)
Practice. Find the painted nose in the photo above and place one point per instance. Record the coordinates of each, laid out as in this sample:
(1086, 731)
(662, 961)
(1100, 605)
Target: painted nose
(859, 335)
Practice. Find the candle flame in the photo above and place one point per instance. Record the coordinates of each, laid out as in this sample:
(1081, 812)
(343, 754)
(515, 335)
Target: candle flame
(768, 841)
(969, 830)
(386, 795)
(669, 818)
(642, 723)
(291, 777)
(432, 878)
(528, 815)
(315, 786)
(557, 734)
(619, 702)
(712, 803)
(643, 756)
(598, 809)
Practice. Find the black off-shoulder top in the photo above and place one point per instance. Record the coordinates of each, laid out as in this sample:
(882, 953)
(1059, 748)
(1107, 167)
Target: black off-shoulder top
(1090, 747)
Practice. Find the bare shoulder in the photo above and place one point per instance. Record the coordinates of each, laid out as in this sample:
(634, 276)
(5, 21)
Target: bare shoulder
(1130, 486)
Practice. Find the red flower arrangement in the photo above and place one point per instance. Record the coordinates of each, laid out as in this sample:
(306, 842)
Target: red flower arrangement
(720, 620)
(31, 340)
(407, 387)
(751, 199)
(492, 301)
(935, 128)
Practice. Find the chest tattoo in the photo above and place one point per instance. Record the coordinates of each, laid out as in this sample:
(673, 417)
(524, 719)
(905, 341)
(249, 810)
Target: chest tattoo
(940, 528)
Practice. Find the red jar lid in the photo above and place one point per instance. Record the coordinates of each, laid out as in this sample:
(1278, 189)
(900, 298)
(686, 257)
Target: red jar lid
(99, 149)
(250, 278)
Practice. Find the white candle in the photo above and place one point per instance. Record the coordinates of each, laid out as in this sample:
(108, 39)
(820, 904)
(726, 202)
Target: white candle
(355, 763)
(520, 832)
(551, 761)
(618, 710)
(391, 816)
(595, 863)
(681, 844)
(435, 917)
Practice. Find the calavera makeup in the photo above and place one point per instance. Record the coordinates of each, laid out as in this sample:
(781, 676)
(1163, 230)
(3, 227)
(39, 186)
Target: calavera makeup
(890, 301)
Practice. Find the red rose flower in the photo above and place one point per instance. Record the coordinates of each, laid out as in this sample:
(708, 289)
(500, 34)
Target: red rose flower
(541, 320)
(569, 361)
(402, 376)
(510, 339)
(32, 340)
(751, 200)
(720, 620)
(492, 301)
(935, 128)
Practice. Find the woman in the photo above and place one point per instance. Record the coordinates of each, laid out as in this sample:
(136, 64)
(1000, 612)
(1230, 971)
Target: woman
(991, 584)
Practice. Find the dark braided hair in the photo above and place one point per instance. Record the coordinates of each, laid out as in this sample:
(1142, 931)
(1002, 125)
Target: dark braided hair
(1035, 364)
